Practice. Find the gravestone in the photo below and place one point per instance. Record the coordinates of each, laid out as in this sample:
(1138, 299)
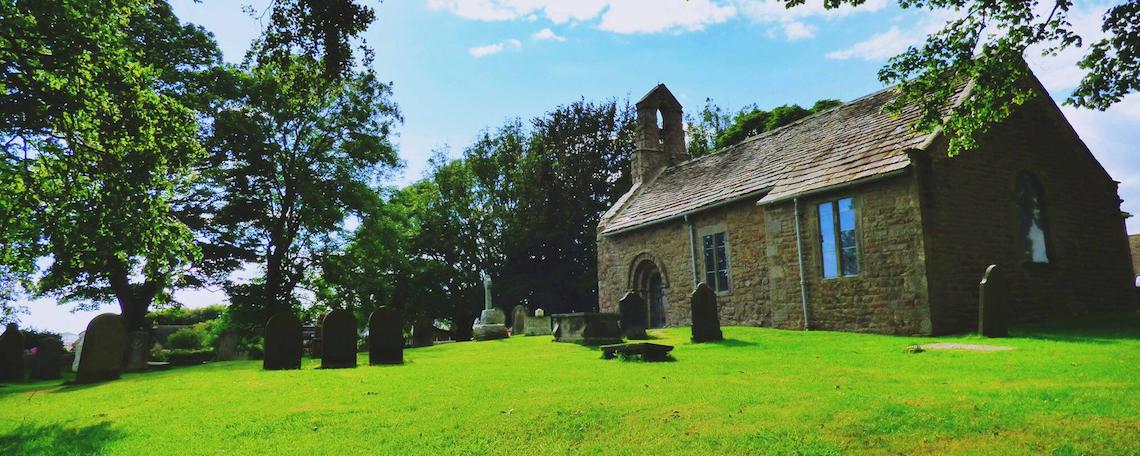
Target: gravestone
(227, 346)
(518, 320)
(338, 339)
(77, 351)
(12, 354)
(587, 328)
(138, 351)
(492, 322)
(461, 326)
(634, 317)
(993, 303)
(706, 321)
(386, 336)
(423, 332)
(282, 342)
(46, 362)
(538, 325)
(104, 344)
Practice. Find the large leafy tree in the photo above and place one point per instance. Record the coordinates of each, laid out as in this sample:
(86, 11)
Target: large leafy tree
(984, 46)
(292, 155)
(98, 144)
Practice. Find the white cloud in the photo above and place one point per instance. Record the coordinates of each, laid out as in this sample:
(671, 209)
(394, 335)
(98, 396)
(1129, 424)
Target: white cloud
(557, 11)
(655, 16)
(797, 30)
(492, 49)
(775, 10)
(878, 47)
(483, 51)
(652, 16)
(547, 34)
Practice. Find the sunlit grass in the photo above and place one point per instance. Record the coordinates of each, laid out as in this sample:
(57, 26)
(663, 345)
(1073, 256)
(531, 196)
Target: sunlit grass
(1066, 389)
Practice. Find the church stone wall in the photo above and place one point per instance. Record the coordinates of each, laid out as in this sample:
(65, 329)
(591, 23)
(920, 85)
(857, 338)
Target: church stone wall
(888, 296)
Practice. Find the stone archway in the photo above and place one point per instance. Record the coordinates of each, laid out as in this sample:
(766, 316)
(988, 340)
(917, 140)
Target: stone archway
(647, 278)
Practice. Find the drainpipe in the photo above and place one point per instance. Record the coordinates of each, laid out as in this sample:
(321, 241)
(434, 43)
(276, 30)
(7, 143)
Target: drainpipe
(692, 249)
(800, 254)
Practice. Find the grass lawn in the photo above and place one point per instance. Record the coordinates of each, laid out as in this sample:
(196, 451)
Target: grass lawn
(1067, 388)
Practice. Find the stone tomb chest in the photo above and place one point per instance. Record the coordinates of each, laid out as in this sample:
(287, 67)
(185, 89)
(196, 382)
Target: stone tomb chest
(589, 328)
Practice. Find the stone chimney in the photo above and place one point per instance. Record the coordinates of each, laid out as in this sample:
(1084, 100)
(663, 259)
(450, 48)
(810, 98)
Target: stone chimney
(658, 146)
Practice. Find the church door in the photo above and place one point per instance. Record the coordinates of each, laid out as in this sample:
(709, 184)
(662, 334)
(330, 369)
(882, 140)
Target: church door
(656, 302)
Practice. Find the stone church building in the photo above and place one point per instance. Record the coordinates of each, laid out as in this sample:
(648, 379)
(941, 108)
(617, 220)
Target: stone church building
(848, 220)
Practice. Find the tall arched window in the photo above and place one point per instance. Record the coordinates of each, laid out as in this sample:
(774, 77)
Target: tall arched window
(1031, 211)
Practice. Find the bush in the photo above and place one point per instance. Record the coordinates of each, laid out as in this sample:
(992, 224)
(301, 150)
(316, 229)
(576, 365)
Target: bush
(180, 357)
(185, 339)
(183, 316)
(32, 337)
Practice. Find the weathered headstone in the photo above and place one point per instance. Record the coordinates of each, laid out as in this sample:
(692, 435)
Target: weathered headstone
(993, 303)
(77, 351)
(227, 346)
(386, 336)
(538, 325)
(338, 336)
(587, 328)
(423, 332)
(518, 320)
(12, 354)
(706, 320)
(138, 351)
(634, 317)
(461, 325)
(49, 353)
(282, 342)
(104, 343)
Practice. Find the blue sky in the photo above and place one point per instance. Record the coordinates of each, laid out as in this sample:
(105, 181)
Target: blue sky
(459, 66)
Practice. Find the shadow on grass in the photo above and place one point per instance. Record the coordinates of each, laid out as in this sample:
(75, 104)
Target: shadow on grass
(732, 343)
(57, 439)
(1101, 329)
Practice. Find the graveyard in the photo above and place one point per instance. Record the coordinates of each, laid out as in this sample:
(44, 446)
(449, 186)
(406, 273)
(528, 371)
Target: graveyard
(1064, 388)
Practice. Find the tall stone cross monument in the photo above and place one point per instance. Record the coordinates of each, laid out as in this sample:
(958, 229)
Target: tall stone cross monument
(486, 292)
(492, 322)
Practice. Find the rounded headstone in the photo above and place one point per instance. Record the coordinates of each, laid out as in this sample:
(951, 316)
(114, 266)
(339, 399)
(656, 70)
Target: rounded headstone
(338, 340)
(138, 351)
(282, 342)
(227, 346)
(706, 320)
(49, 353)
(12, 354)
(993, 303)
(539, 313)
(518, 319)
(104, 345)
(386, 336)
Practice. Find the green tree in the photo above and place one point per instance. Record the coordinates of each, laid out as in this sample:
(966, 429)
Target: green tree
(292, 154)
(984, 47)
(752, 121)
(703, 130)
(98, 145)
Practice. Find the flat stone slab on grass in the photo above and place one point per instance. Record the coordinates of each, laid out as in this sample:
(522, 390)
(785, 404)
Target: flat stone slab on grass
(950, 346)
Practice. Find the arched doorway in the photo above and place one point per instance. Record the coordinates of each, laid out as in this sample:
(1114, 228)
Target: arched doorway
(649, 280)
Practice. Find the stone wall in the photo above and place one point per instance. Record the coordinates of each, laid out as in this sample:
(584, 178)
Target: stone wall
(1134, 247)
(888, 296)
(972, 221)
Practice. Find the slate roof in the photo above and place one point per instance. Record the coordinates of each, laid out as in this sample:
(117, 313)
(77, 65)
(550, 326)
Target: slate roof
(843, 144)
